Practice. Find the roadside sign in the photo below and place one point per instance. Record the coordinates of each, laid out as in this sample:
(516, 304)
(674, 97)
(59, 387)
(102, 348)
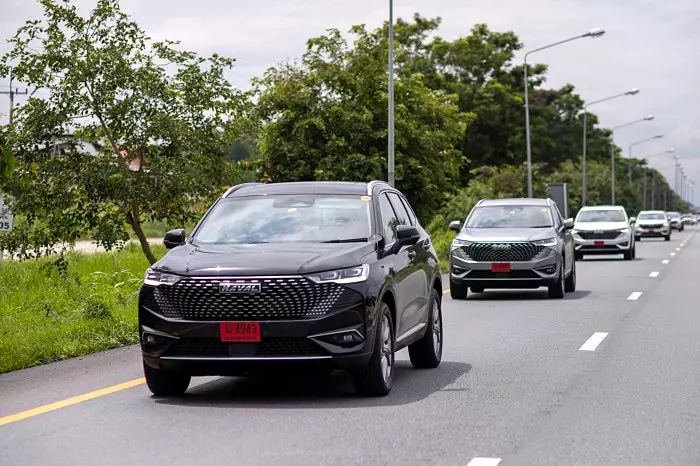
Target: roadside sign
(6, 218)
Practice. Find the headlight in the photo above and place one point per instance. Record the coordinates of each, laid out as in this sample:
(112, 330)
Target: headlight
(546, 242)
(156, 278)
(624, 230)
(459, 243)
(352, 275)
(665, 225)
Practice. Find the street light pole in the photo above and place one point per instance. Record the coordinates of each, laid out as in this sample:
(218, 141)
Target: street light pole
(613, 151)
(646, 174)
(636, 143)
(390, 161)
(633, 91)
(593, 33)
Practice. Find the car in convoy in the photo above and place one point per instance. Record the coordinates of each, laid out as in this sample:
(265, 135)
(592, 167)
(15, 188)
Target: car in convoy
(688, 219)
(674, 219)
(294, 276)
(513, 243)
(604, 230)
(652, 224)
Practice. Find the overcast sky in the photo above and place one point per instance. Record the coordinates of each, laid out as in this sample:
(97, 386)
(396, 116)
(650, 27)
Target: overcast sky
(650, 44)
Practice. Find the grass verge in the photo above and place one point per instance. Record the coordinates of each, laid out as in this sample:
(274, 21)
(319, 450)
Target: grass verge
(61, 307)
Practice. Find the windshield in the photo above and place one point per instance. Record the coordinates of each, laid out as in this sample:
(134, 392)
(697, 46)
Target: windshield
(613, 215)
(652, 216)
(674, 214)
(519, 216)
(287, 218)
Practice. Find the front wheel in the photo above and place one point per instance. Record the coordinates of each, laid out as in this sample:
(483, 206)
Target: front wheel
(570, 282)
(557, 290)
(667, 237)
(426, 353)
(377, 378)
(165, 383)
(628, 255)
(458, 291)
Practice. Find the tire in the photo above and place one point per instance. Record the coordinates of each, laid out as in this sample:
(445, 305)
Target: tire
(634, 251)
(570, 282)
(458, 291)
(667, 237)
(377, 378)
(426, 353)
(637, 238)
(557, 290)
(628, 255)
(578, 256)
(165, 383)
(477, 289)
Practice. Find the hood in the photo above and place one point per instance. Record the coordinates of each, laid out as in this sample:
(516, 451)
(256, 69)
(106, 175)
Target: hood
(506, 234)
(591, 226)
(262, 259)
(650, 221)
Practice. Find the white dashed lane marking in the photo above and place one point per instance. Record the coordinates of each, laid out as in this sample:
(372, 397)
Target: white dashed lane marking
(634, 296)
(665, 261)
(593, 342)
(673, 253)
(654, 274)
(484, 462)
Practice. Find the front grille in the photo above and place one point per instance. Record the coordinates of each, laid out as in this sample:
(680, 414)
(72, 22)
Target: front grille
(287, 298)
(599, 234)
(503, 252)
(513, 274)
(655, 226)
(204, 347)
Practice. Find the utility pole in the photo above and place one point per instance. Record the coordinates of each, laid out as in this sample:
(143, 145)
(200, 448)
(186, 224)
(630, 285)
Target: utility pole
(12, 93)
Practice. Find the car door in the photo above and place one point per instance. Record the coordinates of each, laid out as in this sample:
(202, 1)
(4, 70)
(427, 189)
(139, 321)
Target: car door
(398, 263)
(567, 238)
(415, 276)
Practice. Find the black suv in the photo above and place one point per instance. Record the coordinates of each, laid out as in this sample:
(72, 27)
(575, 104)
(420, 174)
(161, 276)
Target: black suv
(319, 275)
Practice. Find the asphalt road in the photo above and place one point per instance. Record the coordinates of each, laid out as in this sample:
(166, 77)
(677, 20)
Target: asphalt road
(599, 378)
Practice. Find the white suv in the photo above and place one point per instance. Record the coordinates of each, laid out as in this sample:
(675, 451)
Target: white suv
(653, 224)
(604, 230)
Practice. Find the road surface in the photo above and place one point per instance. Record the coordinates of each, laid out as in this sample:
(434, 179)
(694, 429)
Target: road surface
(607, 376)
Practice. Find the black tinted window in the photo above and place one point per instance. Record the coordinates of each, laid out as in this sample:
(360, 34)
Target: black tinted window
(389, 220)
(401, 212)
(511, 216)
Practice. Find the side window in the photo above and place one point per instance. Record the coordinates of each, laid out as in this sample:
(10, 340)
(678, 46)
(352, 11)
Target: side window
(400, 209)
(389, 220)
(409, 209)
(557, 215)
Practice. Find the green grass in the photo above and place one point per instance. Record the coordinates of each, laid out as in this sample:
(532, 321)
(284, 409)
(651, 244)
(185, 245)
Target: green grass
(57, 308)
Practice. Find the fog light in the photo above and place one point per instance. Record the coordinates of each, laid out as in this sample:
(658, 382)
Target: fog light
(347, 338)
(548, 270)
(458, 270)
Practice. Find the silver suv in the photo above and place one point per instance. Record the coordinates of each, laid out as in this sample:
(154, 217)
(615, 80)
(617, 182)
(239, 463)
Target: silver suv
(513, 243)
(604, 230)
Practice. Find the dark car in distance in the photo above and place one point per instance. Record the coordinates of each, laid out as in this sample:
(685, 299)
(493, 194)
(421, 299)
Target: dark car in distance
(294, 276)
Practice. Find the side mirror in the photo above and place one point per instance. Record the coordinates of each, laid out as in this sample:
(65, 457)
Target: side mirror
(406, 235)
(633, 220)
(174, 238)
(569, 223)
(456, 226)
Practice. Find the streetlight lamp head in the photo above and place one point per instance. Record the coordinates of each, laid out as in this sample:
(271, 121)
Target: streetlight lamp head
(596, 32)
(648, 118)
(658, 136)
(671, 150)
(632, 91)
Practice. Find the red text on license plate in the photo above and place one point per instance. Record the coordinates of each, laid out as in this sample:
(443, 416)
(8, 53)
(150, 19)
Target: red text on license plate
(240, 331)
(500, 267)
(599, 243)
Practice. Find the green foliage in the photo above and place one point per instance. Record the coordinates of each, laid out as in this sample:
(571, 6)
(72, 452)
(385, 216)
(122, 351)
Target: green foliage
(70, 305)
(167, 112)
(324, 118)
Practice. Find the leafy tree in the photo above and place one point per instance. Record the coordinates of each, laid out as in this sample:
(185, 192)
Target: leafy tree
(324, 118)
(164, 117)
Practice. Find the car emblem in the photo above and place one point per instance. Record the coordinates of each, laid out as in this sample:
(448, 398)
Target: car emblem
(598, 231)
(500, 246)
(239, 288)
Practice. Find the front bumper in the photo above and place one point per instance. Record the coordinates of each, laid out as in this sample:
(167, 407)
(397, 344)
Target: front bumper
(618, 245)
(342, 339)
(644, 232)
(543, 270)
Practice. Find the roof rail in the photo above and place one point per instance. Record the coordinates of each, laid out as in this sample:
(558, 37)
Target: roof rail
(233, 189)
(373, 183)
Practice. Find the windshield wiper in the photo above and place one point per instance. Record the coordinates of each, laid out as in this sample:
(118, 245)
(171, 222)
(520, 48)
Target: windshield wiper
(347, 240)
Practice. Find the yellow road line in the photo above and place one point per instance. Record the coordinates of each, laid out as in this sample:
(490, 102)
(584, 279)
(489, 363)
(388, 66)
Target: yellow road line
(69, 401)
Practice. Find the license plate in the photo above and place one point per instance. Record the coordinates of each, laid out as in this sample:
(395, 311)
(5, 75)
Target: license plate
(599, 243)
(500, 267)
(652, 231)
(240, 331)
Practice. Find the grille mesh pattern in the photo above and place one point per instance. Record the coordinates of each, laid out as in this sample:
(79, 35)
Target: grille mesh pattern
(653, 227)
(604, 234)
(280, 298)
(270, 347)
(503, 252)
